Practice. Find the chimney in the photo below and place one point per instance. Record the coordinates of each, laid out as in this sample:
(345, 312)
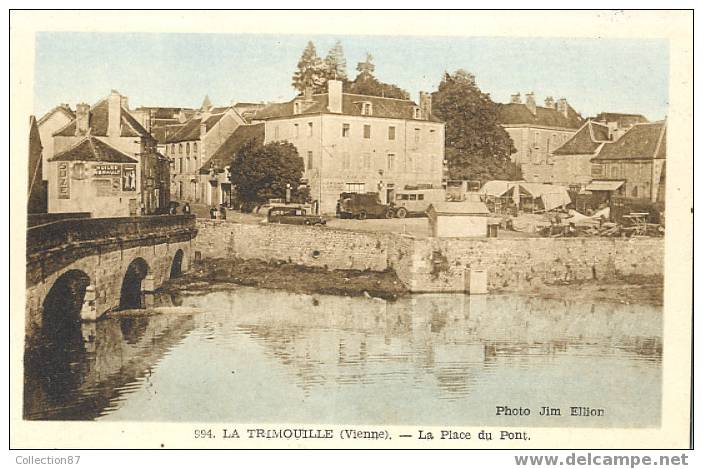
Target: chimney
(515, 98)
(563, 107)
(334, 89)
(307, 94)
(124, 102)
(530, 102)
(82, 119)
(114, 114)
(203, 127)
(426, 105)
(549, 102)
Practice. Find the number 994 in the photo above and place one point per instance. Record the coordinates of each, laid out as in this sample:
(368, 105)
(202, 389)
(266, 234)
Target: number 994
(203, 433)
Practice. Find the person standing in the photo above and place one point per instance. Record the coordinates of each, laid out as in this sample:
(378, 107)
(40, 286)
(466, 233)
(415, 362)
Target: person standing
(186, 208)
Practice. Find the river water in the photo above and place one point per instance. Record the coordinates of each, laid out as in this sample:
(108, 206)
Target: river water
(248, 355)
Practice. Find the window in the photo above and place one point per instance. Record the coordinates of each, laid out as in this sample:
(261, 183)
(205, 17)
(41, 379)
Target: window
(391, 133)
(309, 129)
(309, 160)
(345, 130)
(417, 113)
(180, 148)
(412, 197)
(195, 148)
(296, 108)
(367, 131)
(420, 196)
(366, 109)
(358, 187)
(391, 161)
(188, 148)
(417, 136)
(180, 165)
(296, 130)
(367, 160)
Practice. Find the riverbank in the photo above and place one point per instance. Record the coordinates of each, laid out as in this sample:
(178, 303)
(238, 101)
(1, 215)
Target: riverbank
(279, 275)
(207, 274)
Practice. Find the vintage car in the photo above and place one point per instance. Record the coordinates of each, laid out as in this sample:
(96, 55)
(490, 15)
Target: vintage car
(362, 206)
(293, 215)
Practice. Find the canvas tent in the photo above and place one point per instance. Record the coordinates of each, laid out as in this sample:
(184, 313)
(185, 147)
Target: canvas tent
(551, 196)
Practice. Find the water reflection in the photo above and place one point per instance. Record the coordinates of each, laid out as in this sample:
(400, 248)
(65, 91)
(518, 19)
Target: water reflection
(269, 356)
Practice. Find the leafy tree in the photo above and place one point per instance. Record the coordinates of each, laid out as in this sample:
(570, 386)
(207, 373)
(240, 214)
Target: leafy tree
(366, 83)
(311, 71)
(261, 172)
(477, 147)
(335, 63)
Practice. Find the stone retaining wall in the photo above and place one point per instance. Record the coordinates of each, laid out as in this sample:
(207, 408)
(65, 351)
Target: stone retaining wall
(437, 265)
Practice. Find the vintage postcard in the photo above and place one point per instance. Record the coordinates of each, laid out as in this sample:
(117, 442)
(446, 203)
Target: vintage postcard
(358, 229)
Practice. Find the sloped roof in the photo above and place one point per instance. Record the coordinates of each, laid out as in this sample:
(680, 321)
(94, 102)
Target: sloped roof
(519, 114)
(223, 156)
(351, 106)
(90, 148)
(623, 120)
(98, 120)
(586, 141)
(63, 108)
(162, 132)
(459, 208)
(191, 129)
(161, 112)
(642, 141)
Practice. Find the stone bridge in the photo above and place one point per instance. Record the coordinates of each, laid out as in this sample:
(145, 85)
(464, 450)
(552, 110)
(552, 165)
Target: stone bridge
(80, 268)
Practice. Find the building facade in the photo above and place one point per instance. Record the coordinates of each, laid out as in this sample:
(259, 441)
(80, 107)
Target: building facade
(638, 159)
(49, 123)
(570, 164)
(357, 143)
(106, 163)
(192, 145)
(537, 131)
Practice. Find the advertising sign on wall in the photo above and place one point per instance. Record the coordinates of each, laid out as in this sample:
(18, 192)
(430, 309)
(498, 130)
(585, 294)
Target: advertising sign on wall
(104, 169)
(64, 181)
(129, 177)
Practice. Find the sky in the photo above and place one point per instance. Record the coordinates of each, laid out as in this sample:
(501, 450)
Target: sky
(156, 69)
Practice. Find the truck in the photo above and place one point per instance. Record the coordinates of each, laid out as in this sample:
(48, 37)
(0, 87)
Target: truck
(416, 201)
(362, 206)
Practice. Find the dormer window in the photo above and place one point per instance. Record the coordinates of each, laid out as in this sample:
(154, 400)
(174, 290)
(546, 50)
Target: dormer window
(297, 107)
(417, 114)
(366, 108)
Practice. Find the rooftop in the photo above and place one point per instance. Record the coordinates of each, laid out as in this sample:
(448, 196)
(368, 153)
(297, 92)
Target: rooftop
(642, 141)
(224, 155)
(351, 106)
(98, 123)
(519, 114)
(90, 148)
(586, 141)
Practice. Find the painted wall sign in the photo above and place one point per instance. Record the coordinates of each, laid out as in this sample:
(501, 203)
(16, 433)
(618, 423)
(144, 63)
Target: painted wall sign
(64, 184)
(107, 170)
(129, 177)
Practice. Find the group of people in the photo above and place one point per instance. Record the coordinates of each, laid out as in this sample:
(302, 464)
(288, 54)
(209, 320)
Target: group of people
(220, 214)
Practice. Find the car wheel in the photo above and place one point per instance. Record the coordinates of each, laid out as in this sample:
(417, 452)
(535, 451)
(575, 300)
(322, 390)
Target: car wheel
(307, 222)
(362, 215)
(388, 213)
(401, 212)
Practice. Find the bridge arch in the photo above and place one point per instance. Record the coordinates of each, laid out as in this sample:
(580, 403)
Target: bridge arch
(61, 309)
(177, 264)
(131, 292)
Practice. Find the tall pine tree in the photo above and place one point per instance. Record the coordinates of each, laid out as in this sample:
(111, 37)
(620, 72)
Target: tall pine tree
(476, 146)
(336, 64)
(311, 71)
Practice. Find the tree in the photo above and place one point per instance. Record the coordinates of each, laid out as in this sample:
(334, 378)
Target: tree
(476, 146)
(336, 64)
(311, 71)
(262, 172)
(366, 83)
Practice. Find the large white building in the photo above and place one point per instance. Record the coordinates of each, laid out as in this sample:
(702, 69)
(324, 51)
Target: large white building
(358, 143)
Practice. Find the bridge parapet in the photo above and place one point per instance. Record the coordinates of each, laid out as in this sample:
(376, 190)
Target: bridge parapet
(65, 232)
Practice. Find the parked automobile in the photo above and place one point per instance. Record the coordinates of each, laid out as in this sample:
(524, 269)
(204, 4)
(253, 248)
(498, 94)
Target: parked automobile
(293, 215)
(362, 206)
(416, 201)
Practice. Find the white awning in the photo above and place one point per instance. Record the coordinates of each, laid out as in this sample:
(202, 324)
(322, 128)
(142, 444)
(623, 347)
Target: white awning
(604, 185)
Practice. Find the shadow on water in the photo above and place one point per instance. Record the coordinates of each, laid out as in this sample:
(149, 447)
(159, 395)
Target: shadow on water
(319, 358)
